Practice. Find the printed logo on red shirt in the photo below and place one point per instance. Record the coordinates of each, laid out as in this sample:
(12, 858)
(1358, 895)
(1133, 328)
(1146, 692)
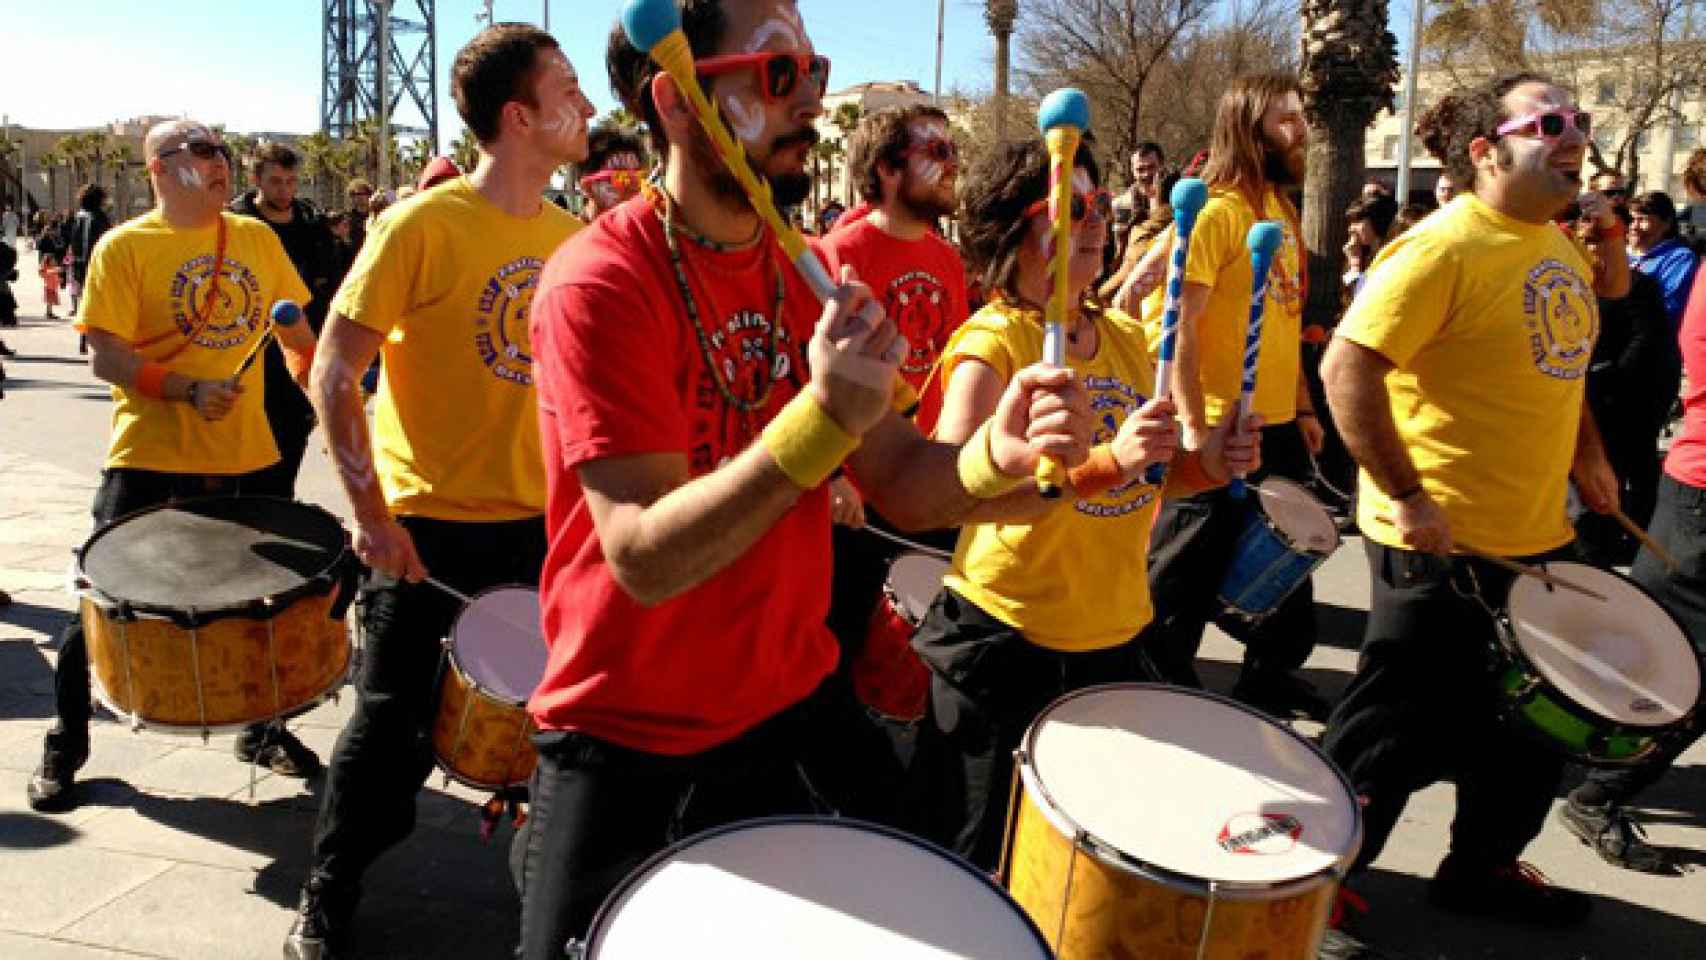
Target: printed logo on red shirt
(235, 308)
(917, 302)
(741, 349)
(500, 327)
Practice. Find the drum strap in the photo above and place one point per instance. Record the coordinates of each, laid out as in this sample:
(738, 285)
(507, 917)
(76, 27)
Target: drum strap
(203, 313)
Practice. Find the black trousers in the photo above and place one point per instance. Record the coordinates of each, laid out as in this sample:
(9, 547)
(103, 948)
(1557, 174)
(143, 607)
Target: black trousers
(599, 810)
(384, 753)
(290, 416)
(1192, 546)
(124, 491)
(987, 684)
(1679, 525)
(1423, 708)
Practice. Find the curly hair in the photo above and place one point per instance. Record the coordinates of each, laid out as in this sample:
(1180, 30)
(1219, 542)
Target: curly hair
(880, 139)
(608, 140)
(993, 197)
(1451, 125)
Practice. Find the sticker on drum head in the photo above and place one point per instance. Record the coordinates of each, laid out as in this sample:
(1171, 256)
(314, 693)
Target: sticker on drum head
(1644, 705)
(1263, 834)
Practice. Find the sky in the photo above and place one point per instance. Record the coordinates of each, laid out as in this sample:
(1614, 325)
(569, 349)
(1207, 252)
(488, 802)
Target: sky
(254, 65)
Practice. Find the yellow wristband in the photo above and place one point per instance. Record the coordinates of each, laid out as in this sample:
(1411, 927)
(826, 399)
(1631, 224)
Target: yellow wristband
(806, 442)
(904, 401)
(978, 472)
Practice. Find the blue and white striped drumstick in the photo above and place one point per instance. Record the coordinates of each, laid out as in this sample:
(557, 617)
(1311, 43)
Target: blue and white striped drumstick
(1264, 241)
(1187, 198)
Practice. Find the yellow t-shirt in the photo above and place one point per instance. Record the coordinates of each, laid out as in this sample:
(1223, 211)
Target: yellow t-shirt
(1219, 259)
(1491, 323)
(1077, 578)
(449, 278)
(148, 282)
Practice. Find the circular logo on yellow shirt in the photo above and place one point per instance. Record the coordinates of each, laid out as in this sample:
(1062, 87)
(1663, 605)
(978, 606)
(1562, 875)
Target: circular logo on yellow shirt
(216, 316)
(500, 328)
(1562, 319)
(1111, 401)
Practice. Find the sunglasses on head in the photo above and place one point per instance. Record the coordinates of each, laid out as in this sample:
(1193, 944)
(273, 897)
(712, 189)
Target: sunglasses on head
(200, 149)
(939, 149)
(1102, 200)
(1550, 124)
(779, 73)
(625, 182)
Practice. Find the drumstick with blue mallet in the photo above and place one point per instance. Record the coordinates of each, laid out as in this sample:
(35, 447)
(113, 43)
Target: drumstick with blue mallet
(654, 27)
(1187, 199)
(285, 313)
(1062, 117)
(1264, 241)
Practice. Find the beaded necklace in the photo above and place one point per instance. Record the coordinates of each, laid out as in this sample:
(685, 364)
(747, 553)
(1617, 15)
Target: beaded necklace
(671, 232)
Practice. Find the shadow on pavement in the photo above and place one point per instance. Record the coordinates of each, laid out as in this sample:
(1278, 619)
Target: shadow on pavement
(33, 616)
(24, 675)
(25, 360)
(1401, 919)
(29, 831)
(83, 391)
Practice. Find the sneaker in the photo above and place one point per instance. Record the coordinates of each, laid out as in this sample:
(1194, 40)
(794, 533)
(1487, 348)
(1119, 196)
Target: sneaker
(1615, 835)
(52, 788)
(278, 750)
(322, 920)
(1514, 891)
(1281, 694)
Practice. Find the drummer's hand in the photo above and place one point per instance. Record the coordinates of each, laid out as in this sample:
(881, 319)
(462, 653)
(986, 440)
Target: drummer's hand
(1314, 435)
(846, 507)
(215, 398)
(1422, 525)
(1149, 435)
(1596, 483)
(388, 549)
(1227, 452)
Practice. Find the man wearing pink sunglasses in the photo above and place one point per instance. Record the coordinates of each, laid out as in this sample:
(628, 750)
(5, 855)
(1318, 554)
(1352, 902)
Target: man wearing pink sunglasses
(1457, 382)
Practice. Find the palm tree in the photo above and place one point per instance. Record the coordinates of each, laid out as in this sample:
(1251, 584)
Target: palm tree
(1001, 15)
(1350, 65)
(121, 156)
(317, 149)
(51, 160)
(74, 147)
(465, 150)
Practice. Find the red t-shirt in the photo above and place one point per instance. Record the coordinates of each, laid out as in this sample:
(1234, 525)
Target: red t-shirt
(1687, 458)
(922, 286)
(620, 372)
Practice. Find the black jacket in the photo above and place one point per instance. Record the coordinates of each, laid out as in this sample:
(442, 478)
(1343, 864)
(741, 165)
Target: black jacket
(309, 244)
(85, 231)
(1636, 366)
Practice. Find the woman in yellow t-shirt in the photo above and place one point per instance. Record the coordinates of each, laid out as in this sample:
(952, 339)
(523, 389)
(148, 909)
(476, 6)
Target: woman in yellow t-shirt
(1044, 596)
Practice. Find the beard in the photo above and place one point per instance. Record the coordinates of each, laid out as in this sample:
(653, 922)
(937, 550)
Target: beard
(786, 189)
(1281, 167)
(924, 202)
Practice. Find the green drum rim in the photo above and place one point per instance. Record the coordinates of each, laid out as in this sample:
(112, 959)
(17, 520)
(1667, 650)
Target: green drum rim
(1560, 723)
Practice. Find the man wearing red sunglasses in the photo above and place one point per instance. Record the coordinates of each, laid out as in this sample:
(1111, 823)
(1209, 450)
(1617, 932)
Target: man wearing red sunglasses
(694, 397)
(614, 169)
(1456, 379)
(907, 168)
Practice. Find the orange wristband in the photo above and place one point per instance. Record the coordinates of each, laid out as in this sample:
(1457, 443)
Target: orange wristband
(151, 380)
(1098, 473)
(1185, 475)
(299, 363)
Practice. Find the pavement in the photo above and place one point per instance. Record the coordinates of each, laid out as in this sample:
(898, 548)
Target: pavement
(181, 852)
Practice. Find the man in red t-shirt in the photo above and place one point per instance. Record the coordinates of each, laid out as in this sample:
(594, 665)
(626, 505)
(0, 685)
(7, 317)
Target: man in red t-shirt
(694, 397)
(907, 168)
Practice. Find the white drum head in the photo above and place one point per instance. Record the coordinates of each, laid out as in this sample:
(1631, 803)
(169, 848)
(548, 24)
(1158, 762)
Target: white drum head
(1194, 784)
(1296, 513)
(824, 889)
(915, 579)
(1624, 658)
(499, 643)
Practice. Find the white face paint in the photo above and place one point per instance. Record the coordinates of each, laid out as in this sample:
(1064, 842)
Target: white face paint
(746, 119)
(190, 177)
(350, 447)
(785, 25)
(928, 171)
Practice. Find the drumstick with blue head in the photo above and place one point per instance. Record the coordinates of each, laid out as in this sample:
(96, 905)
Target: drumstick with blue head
(654, 27)
(1264, 241)
(1187, 199)
(1063, 117)
(285, 313)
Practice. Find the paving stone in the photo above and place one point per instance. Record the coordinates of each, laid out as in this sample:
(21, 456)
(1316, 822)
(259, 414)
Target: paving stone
(210, 831)
(189, 912)
(193, 772)
(20, 947)
(50, 887)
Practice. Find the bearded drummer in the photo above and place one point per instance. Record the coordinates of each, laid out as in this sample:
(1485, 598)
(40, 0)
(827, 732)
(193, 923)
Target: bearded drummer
(449, 483)
(1045, 596)
(174, 301)
(694, 398)
(1457, 379)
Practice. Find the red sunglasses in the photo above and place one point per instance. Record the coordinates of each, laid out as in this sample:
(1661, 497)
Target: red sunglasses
(935, 148)
(1081, 203)
(780, 72)
(626, 182)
